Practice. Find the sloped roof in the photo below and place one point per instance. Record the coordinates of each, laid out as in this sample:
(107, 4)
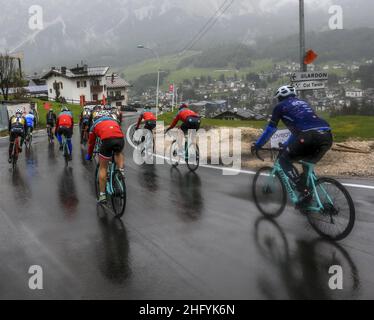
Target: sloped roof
(116, 82)
(91, 72)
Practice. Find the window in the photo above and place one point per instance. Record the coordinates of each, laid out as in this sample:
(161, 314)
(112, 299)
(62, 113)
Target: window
(78, 84)
(61, 85)
(50, 90)
(85, 83)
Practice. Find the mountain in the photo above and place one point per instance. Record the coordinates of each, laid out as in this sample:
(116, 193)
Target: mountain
(108, 31)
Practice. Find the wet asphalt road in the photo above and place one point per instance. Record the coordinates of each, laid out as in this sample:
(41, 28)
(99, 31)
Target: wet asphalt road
(183, 236)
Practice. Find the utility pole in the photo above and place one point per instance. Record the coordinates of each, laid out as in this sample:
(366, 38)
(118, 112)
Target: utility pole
(303, 66)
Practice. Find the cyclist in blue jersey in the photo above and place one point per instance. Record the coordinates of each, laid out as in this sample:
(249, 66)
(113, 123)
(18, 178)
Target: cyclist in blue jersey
(310, 140)
(30, 122)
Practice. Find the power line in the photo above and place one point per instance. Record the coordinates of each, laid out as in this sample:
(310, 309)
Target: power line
(205, 25)
(208, 25)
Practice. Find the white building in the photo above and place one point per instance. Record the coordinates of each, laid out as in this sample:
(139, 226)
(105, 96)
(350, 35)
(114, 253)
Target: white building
(81, 81)
(117, 90)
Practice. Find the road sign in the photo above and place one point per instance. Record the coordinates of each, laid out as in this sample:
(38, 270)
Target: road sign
(309, 76)
(309, 85)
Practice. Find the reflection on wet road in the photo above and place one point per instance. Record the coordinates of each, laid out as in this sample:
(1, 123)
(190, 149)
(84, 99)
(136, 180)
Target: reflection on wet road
(183, 236)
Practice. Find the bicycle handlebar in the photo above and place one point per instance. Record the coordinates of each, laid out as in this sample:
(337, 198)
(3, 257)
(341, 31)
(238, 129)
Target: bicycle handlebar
(266, 149)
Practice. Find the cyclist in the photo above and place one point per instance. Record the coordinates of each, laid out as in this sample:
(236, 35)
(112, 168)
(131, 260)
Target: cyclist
(30, 122)
(310, 140)
(51, 120)
(149, 118)
(17, 128)
(65, 126)
(190, 119)
(85, 121)
(112, 141)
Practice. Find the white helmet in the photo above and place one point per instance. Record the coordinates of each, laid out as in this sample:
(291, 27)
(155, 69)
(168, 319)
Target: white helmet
(19, 111)
(285, 91)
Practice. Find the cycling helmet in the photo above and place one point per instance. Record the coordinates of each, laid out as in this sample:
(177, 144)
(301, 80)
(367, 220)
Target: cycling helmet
(147, 107)
(107, 107)
(64, 109)
(182, 106)
(31, 112)
(285, 92)
(101, 114)
(19, 111)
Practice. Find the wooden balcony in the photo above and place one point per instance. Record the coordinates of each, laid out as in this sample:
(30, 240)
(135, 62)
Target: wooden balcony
(97, 88)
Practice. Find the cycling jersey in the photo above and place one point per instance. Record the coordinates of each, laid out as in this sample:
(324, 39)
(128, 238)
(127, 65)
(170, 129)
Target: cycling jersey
(183, 116)
(104, 128)
(51, 118)
(297, 115)
(65, 119)
(17, 124)
(30, 120)
(146, 116)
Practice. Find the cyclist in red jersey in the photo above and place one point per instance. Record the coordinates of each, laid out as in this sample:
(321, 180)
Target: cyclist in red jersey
(148, 117)
(65, 126)
(190, 119)
(112, 139)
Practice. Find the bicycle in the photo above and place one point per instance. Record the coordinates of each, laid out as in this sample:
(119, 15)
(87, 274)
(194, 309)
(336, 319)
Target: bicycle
(50, 134)
(115, 188)
(28, 139)
(84, 134)
(145, 142)
(270, 188)
(15, 153)
(191, 154)
(97, 150)
(65, 150)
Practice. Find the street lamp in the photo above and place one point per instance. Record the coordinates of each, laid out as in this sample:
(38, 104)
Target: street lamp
(140, 46)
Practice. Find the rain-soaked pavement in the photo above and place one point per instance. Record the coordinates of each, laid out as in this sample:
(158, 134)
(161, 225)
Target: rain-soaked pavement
(183, 236)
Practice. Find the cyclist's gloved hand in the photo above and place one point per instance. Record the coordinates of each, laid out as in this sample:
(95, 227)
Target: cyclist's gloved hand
(88, 157)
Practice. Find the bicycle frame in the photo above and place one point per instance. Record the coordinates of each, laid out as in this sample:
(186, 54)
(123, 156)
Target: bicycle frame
(311, 184)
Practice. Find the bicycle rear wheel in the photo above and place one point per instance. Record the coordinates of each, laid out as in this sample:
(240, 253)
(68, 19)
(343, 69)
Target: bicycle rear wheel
(269, 193)
(15, 155)
(66, 154)
(336, 220)
(119, 196)
(193, 157)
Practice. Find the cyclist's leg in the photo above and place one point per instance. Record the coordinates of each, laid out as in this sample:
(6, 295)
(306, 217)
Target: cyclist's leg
(22, 136)
(119, 157)
(59, 136)
(292, 152)
(105, 156)
(69, 135)
(182, 134)
(321, 144)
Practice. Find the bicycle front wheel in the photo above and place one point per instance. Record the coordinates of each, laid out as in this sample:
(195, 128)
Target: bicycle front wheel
(335, 220)
(174, 157)
(119, 194)
(193, 157)
(269, 193)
